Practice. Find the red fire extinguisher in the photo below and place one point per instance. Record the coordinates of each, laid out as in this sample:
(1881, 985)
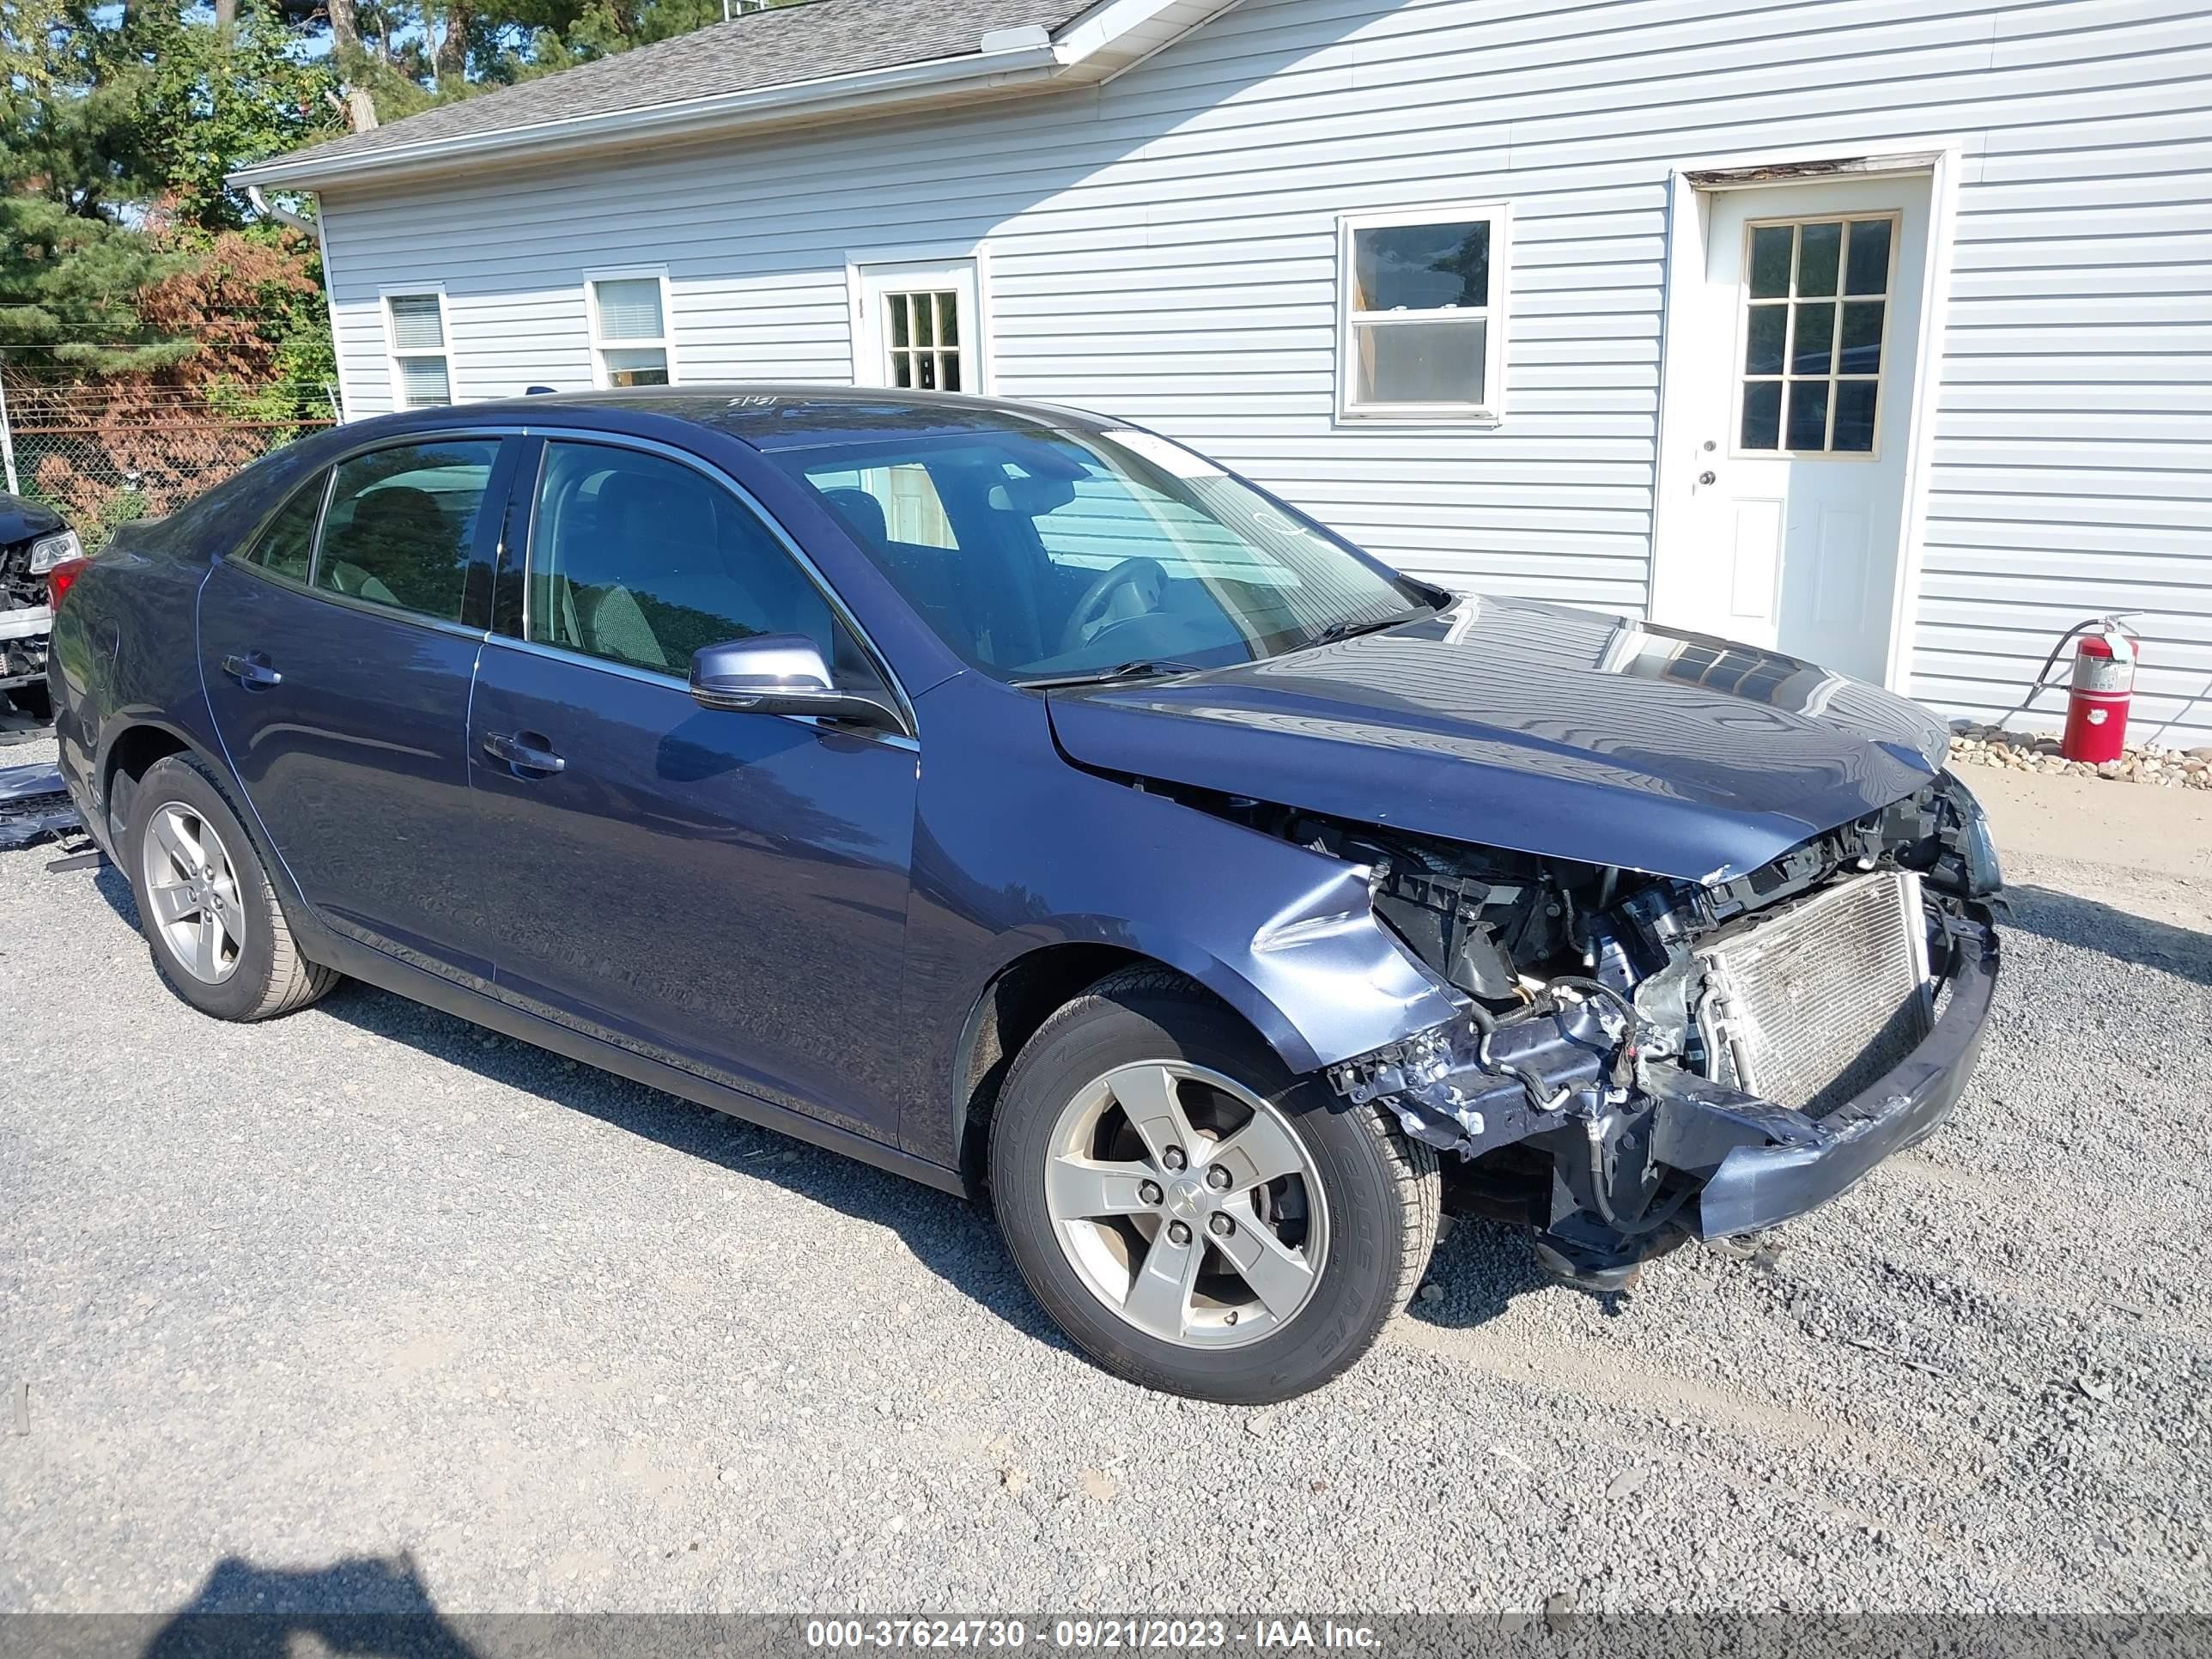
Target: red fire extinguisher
(2104, 686)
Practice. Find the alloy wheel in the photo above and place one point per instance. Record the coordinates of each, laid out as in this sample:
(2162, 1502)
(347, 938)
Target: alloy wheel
(1186, 1204)
(193, 889)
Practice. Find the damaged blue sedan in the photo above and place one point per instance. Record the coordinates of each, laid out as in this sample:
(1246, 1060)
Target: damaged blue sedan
(1016, 799)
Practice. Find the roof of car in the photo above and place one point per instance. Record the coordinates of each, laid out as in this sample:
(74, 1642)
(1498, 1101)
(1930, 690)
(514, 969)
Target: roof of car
(775, 418)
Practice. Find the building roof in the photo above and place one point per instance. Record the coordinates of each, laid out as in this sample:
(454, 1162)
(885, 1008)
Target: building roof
(812, 60)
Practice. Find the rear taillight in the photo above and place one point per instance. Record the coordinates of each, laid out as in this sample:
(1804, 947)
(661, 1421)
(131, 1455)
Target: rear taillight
(62, 578)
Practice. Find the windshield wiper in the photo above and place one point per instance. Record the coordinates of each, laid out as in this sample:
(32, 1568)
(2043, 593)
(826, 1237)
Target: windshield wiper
(1350, 629)
(1148, 669)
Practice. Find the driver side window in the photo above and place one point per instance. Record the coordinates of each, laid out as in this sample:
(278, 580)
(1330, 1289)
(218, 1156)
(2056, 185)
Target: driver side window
(640, 560)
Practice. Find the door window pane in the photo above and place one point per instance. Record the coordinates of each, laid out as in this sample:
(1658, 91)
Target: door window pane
(1419, 362)
(1806, 352)
(1819, 248)
(1762, 415)
(288, 545)
(1867, 269)
(644, 561)
(1815, 339)
(1855, 407)
(1862, 338)
(1809, 415)
(1762, 350)
(1772, 247)
(401, 527)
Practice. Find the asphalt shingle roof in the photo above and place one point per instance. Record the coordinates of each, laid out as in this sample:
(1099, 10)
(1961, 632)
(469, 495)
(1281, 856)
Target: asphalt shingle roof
(749, 52)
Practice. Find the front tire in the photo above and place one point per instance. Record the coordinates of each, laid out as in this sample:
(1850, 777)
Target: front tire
(1194, 1216)
(210, 917)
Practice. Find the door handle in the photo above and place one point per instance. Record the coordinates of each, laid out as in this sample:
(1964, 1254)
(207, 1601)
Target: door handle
(1708, 477)
(525, 750)
(252, 671)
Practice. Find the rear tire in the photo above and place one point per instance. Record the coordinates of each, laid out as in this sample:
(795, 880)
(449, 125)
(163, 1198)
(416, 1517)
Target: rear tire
(1149, 1148)
(218, 937)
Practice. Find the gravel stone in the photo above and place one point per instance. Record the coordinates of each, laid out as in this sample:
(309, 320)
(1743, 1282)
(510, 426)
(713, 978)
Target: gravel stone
(350, 1294)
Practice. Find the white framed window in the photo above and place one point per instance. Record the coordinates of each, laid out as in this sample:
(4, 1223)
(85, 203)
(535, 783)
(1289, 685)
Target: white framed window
(629, 311)
(418, 340)
(1421, 333)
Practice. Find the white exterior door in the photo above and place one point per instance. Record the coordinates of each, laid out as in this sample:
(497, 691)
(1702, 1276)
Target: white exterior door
(1801, 341)
(918, 327)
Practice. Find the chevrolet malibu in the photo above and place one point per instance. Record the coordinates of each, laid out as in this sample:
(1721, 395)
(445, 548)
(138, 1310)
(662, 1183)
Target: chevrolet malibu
(1017, 799)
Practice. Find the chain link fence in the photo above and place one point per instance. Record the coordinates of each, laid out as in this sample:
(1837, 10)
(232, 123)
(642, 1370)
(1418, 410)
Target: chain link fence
(104, 455)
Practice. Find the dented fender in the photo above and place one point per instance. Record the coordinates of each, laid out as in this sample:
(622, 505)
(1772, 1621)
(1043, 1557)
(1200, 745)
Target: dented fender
(1285, 935)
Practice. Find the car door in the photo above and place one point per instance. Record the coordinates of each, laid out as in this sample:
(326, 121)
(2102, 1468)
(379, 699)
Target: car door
(337, 650)
(725, 891)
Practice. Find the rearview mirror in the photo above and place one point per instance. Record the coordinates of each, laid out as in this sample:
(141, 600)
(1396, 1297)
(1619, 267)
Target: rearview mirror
(781, 674)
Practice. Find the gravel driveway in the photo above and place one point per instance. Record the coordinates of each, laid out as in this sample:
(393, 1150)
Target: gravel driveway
(364, 1292)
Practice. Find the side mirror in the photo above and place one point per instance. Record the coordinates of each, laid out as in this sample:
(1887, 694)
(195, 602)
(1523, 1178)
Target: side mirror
(781, 674)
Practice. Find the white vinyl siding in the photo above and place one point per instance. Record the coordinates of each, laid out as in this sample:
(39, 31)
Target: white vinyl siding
(1166, 248)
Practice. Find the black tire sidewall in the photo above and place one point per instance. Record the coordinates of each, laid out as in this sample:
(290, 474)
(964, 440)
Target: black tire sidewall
(178, 782)
(1360, 1274)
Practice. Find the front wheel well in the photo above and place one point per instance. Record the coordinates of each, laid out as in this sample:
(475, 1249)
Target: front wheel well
(1026, 992)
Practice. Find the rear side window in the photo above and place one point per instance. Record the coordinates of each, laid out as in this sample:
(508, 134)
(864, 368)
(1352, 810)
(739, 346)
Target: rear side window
(287, 546)
(642, 560)
(401, 527)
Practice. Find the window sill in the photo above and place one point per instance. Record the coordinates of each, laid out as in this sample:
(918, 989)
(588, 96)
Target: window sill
(1417, 414)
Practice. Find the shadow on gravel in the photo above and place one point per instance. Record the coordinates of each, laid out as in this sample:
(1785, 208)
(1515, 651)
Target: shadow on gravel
(114, 886)
(364, 1605)
(2094, 927)
(953, 1239)
(1481, 1267)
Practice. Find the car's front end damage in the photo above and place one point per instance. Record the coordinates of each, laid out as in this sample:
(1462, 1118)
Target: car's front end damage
(1715, 921)
(1648, 1060)
(34, 539)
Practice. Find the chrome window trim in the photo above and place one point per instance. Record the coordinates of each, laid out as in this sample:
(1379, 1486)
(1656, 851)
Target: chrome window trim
(751, 503)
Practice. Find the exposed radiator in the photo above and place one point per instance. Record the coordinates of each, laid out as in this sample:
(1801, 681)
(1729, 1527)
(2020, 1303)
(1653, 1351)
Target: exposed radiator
(1809, 1006)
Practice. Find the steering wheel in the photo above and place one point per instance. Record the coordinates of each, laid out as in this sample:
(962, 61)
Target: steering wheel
(1146, 576)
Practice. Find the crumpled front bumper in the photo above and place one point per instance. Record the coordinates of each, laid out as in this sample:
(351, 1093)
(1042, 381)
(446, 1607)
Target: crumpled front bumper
(1783, 1163)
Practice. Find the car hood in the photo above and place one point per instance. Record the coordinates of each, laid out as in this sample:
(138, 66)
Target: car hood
(1535, 728)
(20, 518)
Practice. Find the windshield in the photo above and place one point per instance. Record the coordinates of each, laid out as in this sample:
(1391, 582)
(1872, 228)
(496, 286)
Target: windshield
(1037, 554)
